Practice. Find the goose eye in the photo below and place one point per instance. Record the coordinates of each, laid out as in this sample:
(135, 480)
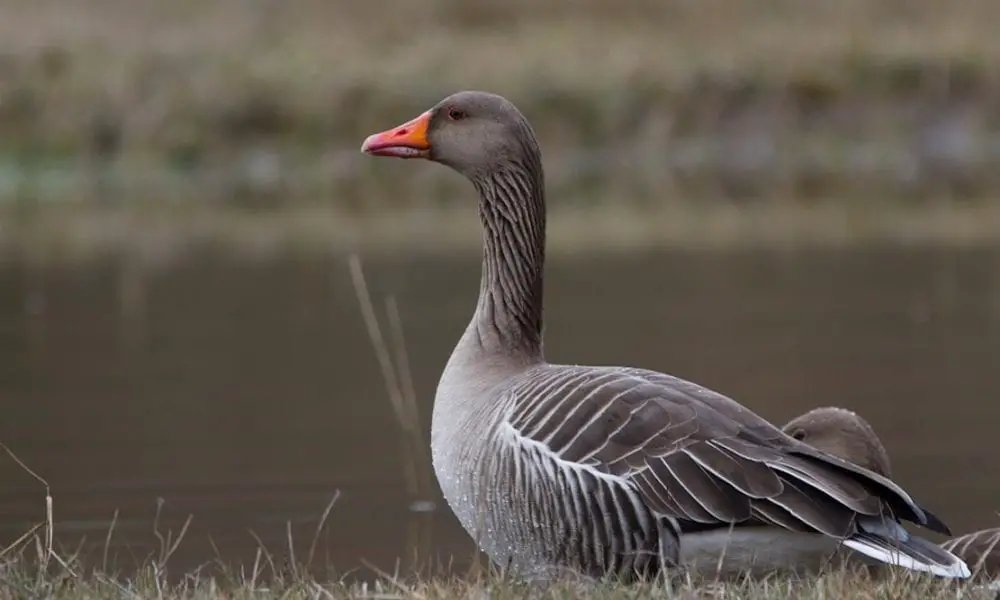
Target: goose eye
(456, 114)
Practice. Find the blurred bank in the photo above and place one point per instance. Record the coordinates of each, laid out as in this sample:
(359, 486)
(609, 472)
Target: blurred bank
(681, 122)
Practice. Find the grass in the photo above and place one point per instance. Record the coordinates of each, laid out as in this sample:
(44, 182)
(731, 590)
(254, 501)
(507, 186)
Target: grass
(148, 584)
(32, 567)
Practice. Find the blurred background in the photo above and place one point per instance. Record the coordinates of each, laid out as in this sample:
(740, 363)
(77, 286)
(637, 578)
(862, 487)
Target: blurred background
(797, 204)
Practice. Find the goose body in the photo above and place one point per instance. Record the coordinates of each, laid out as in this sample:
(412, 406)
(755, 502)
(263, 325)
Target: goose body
(847, 435)
(601, 470)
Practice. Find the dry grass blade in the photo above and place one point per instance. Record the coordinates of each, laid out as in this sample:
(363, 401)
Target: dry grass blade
(107, 542)
(45, 551)
(398, 382)
(409, 395)
(411, 417)
(24, 538)
(168, 545)
(321, 525)
(396, 583)
(320, 592)
(292, 563)
(396, 374)
(262, 548)
(256, 568)
(378, 342)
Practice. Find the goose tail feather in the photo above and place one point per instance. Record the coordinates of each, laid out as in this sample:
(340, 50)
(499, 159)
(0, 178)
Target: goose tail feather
(913, 553)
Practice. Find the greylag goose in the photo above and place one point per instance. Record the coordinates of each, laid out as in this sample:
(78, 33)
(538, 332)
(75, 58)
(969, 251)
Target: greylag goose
(558, 469)
(846, 434)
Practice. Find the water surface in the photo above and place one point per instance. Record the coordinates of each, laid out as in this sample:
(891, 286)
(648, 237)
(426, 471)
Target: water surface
(244, 392)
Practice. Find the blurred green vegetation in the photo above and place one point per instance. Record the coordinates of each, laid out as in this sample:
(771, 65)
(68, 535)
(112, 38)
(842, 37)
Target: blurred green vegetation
(262, 104)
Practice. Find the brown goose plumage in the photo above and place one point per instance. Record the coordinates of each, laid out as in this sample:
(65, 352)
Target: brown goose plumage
(846, 434)
(599, 470)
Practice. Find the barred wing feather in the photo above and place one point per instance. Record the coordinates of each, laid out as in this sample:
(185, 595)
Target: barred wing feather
(701, 459)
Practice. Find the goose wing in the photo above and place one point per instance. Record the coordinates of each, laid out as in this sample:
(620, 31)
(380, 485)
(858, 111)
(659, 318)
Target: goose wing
(695, 455)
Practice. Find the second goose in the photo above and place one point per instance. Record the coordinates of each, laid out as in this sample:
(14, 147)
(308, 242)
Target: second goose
(558, 469)
(846, 434)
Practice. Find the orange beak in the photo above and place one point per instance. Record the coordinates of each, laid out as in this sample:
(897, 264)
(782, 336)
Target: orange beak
(408, 140)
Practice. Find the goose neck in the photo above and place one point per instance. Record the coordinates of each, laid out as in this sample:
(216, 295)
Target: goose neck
(508, 317)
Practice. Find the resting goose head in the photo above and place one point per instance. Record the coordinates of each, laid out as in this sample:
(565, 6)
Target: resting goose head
(847, 435)
(475, 133)
(842, 433)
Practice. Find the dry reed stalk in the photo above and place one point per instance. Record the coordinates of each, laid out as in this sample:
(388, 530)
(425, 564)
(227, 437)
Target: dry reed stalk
(397, 377)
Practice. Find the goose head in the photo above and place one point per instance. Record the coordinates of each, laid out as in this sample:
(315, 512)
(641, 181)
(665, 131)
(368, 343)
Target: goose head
(473, 132)
(844, 434)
